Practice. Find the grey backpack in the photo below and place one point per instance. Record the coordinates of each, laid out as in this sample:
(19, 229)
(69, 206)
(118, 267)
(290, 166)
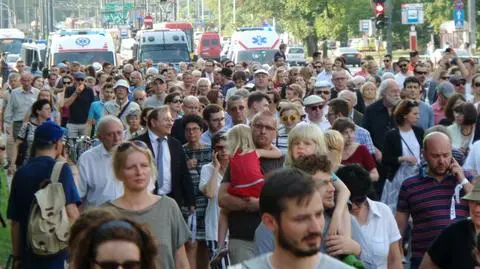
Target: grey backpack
(48, 224)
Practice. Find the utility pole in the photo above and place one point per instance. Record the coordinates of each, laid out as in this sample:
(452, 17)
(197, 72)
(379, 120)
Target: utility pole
(234, 12)
(472, 20)
(389, 7)
(219, 16)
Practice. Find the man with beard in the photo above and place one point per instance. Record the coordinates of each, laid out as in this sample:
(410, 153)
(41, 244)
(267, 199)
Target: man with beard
(292, 208)
(335, 245)
(378, 116)
(432, 198)
(404, 73)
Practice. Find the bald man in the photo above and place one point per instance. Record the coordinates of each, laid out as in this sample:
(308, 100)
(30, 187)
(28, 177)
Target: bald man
(351, 99)
(432, 197)
(191, 106)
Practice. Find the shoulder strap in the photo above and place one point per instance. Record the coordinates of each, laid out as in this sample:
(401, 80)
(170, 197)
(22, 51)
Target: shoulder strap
(406, 144)
(57, 168)
(26, 132)
(123, 109)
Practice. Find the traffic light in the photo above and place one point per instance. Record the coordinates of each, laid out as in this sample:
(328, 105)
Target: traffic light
(379, 14)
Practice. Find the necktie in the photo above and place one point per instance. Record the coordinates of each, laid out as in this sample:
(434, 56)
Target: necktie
(160, 162)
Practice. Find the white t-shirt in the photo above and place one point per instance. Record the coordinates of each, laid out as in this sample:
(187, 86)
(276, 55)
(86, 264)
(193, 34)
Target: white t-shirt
(263, 262)
(382, 230)
(212, 211)
(410, 145)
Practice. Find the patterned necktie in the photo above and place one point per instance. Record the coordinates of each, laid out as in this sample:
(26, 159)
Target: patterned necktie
(160, 162)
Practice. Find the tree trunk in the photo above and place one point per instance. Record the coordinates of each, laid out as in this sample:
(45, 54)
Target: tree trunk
(312, 43)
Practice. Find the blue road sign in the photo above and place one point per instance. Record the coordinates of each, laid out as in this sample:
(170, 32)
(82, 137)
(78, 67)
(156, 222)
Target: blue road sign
(459, 18)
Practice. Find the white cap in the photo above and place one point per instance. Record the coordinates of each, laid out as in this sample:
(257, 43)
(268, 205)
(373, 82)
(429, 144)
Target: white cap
(121, 83)
(260, 71)
(97, 66)
(312, 100)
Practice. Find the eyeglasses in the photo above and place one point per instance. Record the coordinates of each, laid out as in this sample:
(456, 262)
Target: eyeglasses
(177, 101)
(386, 60)
(323, 92)
(291, 118)
(402, 65)
(194, 129)
(67, 82)
(218, 120)
(421, 73)
(126, 145)
(79, 79)
(314, 108)
(230, 66)
(266, 127)
(318, 66)
(115, 265)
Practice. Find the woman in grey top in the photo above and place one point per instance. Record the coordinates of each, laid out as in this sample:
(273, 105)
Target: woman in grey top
(133, 165)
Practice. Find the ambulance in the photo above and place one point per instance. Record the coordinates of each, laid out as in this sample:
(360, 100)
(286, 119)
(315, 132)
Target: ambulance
(254, 45)
(162, 46)
(11, 41)
(85, 46)
(33, 51)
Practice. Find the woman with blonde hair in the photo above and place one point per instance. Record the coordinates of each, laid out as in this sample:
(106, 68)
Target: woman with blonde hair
(134, 166)
(369, 93)
(308, 139)
(335, 145)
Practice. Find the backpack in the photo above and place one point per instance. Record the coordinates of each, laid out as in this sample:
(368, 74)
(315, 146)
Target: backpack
(48, 225)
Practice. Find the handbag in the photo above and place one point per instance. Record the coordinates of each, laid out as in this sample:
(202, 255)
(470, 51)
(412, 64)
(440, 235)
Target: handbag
(22, 148)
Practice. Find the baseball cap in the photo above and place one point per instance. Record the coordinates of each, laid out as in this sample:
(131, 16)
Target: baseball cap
(260, 71)
(97, 66)
(312, 100)
(121, 83)
(446, 89)
(159, 77)
(62, 65)
(48, 133)
(79, 75)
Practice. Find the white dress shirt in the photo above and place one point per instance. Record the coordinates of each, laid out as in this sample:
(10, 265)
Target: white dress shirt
(382, 230)
(97, 184)
(472, 162)
(166, 161)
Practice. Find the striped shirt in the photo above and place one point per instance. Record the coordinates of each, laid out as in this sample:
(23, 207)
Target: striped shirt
(428, 201)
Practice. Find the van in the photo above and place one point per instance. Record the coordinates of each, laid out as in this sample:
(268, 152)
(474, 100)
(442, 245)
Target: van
(254, 44)
(295, 55)
(162, 46)
(33, 52)
(209, 46)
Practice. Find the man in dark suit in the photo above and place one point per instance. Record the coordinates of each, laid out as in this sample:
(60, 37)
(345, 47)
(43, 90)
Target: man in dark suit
(173, 178)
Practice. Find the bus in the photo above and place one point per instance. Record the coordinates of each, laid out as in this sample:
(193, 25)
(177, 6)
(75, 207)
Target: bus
(11, 41)
(186, 27)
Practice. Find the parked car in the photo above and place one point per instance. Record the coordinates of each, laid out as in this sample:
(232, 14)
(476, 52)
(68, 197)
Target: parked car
(351, 55)
(295, 56)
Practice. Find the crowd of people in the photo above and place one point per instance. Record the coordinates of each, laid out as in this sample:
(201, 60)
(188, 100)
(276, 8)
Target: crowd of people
(215, 164)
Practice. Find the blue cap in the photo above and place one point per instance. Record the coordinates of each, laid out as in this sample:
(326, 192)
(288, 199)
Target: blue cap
(79, 75)
(48, 133)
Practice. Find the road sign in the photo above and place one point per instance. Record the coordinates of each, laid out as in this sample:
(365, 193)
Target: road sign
(366, 26)
(459, 18)
(412, 14)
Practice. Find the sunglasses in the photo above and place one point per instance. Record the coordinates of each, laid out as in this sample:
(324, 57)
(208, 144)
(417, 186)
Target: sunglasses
(402, 65)
(79, 79)
(322, 92)
(291, 118)
(314, 108)
(115, 265)
(127, 145)
(421, 73)
(461, 82)
(230, 66)
(177, 101)
(386, 61)
(67, 82)
(476, 84)
(318, 66)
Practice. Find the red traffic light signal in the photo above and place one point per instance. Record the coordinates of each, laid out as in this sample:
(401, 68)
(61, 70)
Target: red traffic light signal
(379, 8)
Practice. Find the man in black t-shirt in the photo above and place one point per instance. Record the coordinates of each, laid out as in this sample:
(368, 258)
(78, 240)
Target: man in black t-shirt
(78, 99)
(244, 216)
